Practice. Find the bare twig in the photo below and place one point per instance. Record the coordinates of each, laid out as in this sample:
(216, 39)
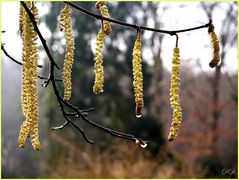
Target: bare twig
(19, 63)
(44, 78)
(10, 57)
(96, 16)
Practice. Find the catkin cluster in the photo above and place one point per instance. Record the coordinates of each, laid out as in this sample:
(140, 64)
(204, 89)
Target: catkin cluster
(174, 96)
(104, 12)
(98, 65)
(138, 77)
(29, 95)
(215, 45)
(66, 26)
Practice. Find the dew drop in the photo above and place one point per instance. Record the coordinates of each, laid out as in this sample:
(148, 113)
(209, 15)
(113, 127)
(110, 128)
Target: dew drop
(143, 145)
(138, 115)
(137, 141)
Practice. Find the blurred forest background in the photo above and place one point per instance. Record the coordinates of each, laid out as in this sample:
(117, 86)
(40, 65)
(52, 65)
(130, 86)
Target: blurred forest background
(207, 142)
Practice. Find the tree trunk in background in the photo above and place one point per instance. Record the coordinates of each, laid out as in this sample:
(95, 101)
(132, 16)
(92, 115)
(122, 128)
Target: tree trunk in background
(225, 43)
(215, 99)
(158, 66)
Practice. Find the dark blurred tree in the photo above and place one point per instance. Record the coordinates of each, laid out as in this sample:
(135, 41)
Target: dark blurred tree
(226, 42)
(156, 48)
(212, 122)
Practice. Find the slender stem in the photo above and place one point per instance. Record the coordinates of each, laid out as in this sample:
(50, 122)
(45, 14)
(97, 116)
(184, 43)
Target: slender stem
(19, 63)
(96, 16)
(176, 40)
(10, 57)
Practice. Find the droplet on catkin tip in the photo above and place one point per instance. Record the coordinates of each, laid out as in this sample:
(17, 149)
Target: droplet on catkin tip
(138, 115)
(138, 111)
(143, 145)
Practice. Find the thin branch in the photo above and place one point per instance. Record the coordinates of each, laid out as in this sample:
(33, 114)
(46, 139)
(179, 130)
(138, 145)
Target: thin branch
(176, 45)
(82, 132)
(10, 57)
(45, 78)
(19, 63)
(60, 127)
(87, 110)
(84, 112)
(107, 130)
(96, 16)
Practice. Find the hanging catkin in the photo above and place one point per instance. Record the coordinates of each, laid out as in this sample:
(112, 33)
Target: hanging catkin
(138, 77)
(98, 65)
(174, 96)
(215, 45)
(29, 127)
(66, 26)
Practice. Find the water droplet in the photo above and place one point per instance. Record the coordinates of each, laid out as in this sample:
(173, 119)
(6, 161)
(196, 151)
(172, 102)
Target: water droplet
(138, 115)
(137, 141)
(143, 145)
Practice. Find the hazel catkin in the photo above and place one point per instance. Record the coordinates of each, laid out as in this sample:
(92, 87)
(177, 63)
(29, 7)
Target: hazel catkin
(98, 66)
(29, 80)
(65, 25)
(215, 45)
(174, 96)
(138, 77)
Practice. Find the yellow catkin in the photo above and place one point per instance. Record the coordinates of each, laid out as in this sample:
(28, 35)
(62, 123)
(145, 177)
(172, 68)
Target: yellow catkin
(24, 21)
(105, 13)
(26, 51)
(34, 90)
(29, 127)
(35, 138)
(174, 96)
(138, 77)
(98, 66)
(65, 25)
(23, 135)
(215, 45)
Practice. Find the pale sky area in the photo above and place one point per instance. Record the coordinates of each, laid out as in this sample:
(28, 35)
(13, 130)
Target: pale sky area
(192, 44)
